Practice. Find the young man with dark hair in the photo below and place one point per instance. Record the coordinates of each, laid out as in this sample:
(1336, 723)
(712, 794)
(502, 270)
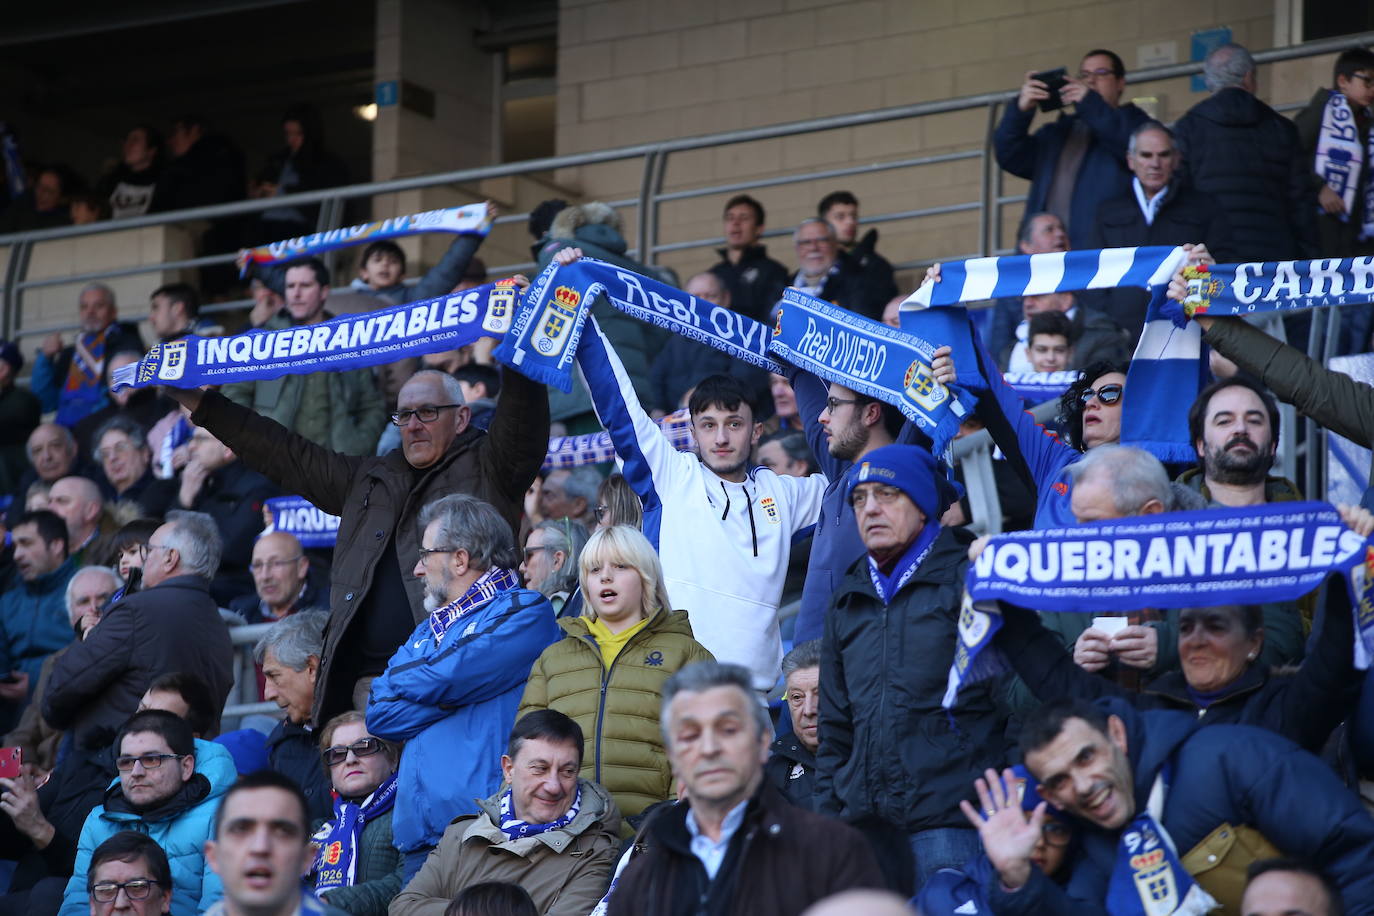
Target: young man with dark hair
(841, 210)
(33, 612)
(173, 310)
(1049, 342)
(481, 385)
(1205, 801)
(1234, 427)
(723, 529)
(755, 281)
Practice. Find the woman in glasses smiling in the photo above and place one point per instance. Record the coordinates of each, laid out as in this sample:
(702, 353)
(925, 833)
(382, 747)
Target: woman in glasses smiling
(357, 868)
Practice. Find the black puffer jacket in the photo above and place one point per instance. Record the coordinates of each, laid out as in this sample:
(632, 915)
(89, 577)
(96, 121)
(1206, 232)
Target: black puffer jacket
(889, 751)
(1247, 156)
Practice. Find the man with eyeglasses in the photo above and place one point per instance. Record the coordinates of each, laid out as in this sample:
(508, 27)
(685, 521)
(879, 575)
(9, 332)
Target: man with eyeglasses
(169, 789)
(453, 687)
(1079, 160)
(888, 646)
(374, 602)
(215, 482)
(129, 873)
(281, 577)
(827, 273)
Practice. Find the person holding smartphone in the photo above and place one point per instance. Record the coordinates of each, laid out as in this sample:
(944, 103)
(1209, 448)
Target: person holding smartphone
(1077, 161)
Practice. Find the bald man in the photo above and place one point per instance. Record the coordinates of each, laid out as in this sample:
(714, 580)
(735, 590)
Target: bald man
(683, 363)
(77, 501)
(281, 577)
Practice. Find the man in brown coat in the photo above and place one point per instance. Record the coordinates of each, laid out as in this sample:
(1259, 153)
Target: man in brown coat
(736, 846)
(555, 835)
(374, 603)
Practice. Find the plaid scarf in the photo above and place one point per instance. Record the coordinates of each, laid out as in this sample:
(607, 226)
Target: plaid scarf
(488, 585)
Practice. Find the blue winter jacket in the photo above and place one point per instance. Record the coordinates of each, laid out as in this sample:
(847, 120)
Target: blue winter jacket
(1234, 774)
(1103, 173)
(34, 622)
(453, 702)
(180, 827)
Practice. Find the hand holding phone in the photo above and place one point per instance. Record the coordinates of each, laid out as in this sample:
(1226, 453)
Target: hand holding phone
(11, 762)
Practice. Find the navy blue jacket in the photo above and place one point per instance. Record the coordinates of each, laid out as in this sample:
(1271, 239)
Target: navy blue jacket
(1232, 774)
(1103, 174)
(294, 751)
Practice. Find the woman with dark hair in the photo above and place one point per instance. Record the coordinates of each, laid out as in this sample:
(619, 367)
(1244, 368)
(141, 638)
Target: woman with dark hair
(357, 869)
(1090, 408)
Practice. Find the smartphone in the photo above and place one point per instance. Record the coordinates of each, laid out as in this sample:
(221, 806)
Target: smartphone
(10, 760)
(1054, 80)
(1110, 625)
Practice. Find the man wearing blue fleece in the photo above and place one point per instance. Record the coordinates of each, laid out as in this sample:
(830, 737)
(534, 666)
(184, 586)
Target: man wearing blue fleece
(891, 757)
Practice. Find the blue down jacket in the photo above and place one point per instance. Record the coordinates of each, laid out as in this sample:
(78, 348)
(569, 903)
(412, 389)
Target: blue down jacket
(453, 702)
(180, 827)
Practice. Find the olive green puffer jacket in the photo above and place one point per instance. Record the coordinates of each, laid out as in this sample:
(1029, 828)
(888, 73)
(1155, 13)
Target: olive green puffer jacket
(617, 710)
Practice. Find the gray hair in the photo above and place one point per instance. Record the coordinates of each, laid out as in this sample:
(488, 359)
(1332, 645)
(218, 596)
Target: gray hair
(101, 288)
(1028, 225)
(124, 425)
(1227, 65)
(295, 639)
(195, 538)
(720, 287)
(452, 389)
(700, 677)
(583, 483)
(1136, 476)
(569, 537)
(817, 221)
(106, 571)
(1146, 128)
(468, 523)
(803, 655)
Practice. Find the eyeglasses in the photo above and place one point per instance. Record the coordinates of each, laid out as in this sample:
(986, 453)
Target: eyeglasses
(258, 566)
(426, 414)
(1097, 71)
(1107, 394)
(813, 243)
(531, 551)
(833, 404)
(883, 494)
(364, 747)
(1365, 77)
(106, 452)
(137, 889)
(1056, 834)
(426, 551)
(149, 761)
(601, 512)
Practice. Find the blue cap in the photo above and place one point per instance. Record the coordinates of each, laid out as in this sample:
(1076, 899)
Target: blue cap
(911, 469)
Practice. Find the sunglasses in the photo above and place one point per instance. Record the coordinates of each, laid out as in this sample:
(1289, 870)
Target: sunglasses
(1107, 394)
(366, 747)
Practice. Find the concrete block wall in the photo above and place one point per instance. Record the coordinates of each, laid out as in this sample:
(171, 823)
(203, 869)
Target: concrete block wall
(636, 71)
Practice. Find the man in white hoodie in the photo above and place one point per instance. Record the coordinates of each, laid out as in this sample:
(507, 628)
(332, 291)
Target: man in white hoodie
(723, 529)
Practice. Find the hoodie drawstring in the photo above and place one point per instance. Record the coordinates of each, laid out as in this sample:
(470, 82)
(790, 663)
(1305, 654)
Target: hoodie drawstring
(749, 507)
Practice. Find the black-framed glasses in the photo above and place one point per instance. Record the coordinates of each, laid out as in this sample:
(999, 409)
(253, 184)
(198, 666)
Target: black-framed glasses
(1097, 71)
(363, 747)
(1366, 78)
(137, 889)
(601, 512)
(149, 761)
(427, 413)
(426, 551)
(833, 404)
(531, 551)
(1056, 833)
(1107, 394)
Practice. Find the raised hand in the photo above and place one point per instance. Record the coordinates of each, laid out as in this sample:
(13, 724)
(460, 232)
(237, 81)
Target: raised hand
(1008, 835)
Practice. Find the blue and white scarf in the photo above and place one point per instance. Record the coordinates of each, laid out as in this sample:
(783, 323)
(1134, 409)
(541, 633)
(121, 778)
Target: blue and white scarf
(1148, 879)
(1341, 157)
(296, 515)
(1249, 555)
(515, 828)
(1167, 360)
(873, 359)
(543, 341)
(469, 220)
(1273, 286)
(336, 861)
(488, 585)
(597, 447)
(887, 585)
(1039, 387)
(347, 342)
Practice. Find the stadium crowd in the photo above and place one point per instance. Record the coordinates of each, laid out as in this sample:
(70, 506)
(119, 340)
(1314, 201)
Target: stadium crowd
(515, 687)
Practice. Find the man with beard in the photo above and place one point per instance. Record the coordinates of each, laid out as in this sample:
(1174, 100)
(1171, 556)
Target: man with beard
(451, 690)
(1234, 425)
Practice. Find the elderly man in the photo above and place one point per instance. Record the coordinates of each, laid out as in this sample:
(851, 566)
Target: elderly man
(1155, 785)
(33, 617)
(1075, 162)
(1041, 233)
(552, 833)
(453, 686)
(1249, 157)
(753, 279)
(1282, 887)
(889, 644)
(290, 659)
(342, 411)
(121, 448)
(129, 873)
(77, 501)
(373, 603)
(682, 362)
(791, 766)
(717, 736)
(570, 493)
(172, 624)
(169, 787)
(215, 482)
(281, 577)
(70, 379)
(826, 273)
(550, 565)
(1159, 210)
(52, 454)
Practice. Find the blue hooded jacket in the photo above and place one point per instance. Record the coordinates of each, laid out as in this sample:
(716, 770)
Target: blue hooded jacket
(453, 702)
